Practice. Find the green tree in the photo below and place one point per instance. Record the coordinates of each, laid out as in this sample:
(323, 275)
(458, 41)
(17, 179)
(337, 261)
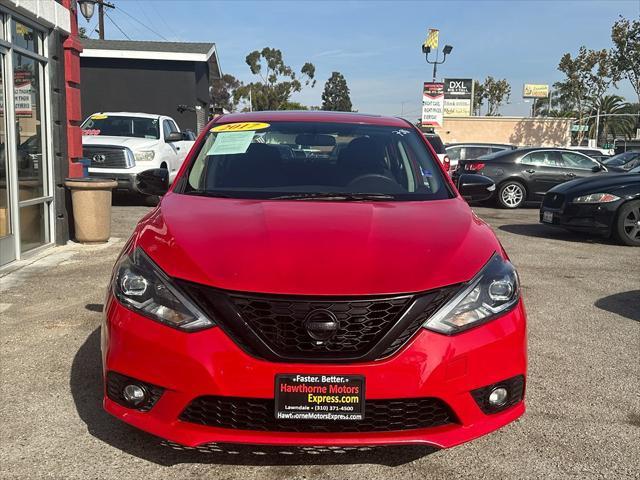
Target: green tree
(588, 75)
(478, 97)
(496, 92)
(336, 94)
(222, 92)
(625, 55)
(277, 81)
(293, 106)
(616, 119)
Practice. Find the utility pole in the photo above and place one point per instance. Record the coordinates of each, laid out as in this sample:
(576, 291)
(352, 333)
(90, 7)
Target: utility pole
(101, 20)
(101, 6)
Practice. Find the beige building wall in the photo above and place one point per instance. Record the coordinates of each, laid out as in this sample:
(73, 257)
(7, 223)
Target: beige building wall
(521, 131)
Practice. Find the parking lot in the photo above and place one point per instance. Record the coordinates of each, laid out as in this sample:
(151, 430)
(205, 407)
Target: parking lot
(583, 418)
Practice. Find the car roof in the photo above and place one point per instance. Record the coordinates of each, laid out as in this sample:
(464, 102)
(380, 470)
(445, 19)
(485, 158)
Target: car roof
(129, 114)
(480, 144)
(312, 116)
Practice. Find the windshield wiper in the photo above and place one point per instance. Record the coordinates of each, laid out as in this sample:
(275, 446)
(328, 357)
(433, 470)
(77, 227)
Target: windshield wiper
(336, 197)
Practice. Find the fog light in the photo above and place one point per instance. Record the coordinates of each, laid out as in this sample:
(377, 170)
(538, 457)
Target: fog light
(134, 394)
(498, 397)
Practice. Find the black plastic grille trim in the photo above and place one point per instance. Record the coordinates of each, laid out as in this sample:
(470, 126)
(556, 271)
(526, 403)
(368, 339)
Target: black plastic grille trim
(272, 326)
(553, 200)
(116, 383)
(515, 387)
(258, 415)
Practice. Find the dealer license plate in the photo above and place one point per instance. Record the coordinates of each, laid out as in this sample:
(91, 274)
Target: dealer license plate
(547, 217)
(319, 397)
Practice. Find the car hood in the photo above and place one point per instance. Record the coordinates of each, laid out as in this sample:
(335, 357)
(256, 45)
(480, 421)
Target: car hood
(317, 247)
(597, 183)
(133, 143)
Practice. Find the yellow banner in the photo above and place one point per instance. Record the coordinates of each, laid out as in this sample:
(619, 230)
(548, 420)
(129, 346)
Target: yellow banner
(432, 38)
(532, 90)
(240, 127)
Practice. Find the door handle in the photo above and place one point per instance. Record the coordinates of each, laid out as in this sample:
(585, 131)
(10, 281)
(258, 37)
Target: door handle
(530, 170)
(570, 174)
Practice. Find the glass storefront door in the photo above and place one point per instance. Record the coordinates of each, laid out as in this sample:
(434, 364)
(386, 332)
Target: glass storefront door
(25, 172)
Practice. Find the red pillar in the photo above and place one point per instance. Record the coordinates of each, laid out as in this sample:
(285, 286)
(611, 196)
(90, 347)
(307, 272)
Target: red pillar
(72, 49)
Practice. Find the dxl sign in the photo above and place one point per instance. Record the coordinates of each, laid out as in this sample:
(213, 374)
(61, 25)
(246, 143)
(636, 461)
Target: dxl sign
(458, 97)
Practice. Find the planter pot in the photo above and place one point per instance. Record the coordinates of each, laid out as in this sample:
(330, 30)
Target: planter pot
(91, 200)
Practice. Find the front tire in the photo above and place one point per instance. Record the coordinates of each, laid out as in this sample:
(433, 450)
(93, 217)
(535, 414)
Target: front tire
(627, 226)
(511, 194)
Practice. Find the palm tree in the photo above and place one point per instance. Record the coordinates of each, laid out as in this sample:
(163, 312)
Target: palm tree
(617, 118)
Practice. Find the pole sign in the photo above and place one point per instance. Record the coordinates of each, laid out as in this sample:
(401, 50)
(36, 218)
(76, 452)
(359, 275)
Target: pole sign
(433, 104)
(458, 97)
(532, 90)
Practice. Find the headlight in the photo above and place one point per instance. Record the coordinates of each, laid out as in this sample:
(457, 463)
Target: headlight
(596, 198)
(144, 156)
(141, 286)
(492, 292)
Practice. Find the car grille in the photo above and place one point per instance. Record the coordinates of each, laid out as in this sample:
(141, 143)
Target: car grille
(258, 414)
(273, 327)
(108, 157)
(553, 200)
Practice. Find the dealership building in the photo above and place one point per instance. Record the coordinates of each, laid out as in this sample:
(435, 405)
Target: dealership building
(40, 138)
(167, 78)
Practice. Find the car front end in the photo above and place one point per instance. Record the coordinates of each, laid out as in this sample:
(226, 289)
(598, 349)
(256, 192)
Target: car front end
(312, 318)
(588, 210)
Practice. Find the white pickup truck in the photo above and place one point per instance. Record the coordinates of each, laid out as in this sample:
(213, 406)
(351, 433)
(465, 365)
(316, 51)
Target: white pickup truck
(121, 144)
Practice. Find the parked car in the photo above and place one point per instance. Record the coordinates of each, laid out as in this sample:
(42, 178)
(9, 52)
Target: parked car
(526, 174)
(340, 294)
(122, 144)
(623, 162)
(607, 205)
(471, 151)
(435, 141)
(599, 154)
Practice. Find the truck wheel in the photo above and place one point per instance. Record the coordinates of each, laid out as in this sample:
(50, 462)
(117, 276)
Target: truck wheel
(627, 226)
(511, 194)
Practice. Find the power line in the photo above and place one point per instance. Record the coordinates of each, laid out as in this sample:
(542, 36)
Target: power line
(145, 26)
(168, 25)
(116, 25)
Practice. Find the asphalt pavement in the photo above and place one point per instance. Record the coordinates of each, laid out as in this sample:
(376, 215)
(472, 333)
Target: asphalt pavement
(583, 391)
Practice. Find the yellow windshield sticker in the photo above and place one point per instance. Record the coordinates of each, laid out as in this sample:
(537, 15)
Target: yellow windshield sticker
(240, 127)
(99, 116)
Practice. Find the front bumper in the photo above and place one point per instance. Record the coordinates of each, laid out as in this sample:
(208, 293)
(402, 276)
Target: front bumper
(595, 218)
(126, 181)
(190, 365)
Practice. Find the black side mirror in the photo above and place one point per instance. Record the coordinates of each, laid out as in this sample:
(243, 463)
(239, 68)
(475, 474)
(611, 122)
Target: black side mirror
(596, 168)
(173, 137)
(475, 188)
(153, 182)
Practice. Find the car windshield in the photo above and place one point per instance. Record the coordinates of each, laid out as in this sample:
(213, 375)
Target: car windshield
(309, 160)
(121, 126)
(622, 159)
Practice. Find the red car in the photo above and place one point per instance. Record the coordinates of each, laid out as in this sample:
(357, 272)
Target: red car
(313, 279)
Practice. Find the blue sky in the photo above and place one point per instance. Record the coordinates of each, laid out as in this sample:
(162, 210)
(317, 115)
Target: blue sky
(376, 44)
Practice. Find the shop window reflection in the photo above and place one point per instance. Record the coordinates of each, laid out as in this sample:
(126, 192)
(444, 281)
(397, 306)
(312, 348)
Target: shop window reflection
(28, 113)
(5, 223)
(33, 232)
(25, 37)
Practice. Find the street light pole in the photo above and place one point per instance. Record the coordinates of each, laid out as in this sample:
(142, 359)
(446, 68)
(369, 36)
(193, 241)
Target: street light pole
(446, 51)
